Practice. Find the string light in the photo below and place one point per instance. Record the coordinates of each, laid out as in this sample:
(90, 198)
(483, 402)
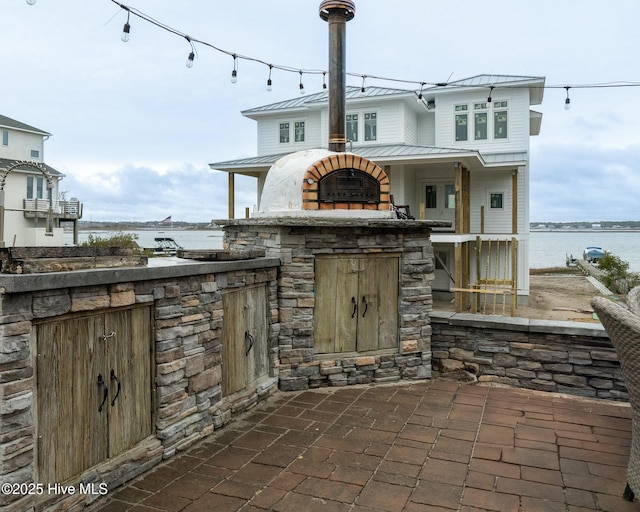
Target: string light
(420, 93)
(31, 2)
(192, 54)
(269, 83)
(362, 89)
(234, 73)
(567, 102)
(125, 30)
(420, 84)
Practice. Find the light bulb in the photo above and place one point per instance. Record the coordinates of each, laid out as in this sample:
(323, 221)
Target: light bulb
(125, 32)
(269, 87)
(190, 60)
(301, 88)
(31, 2)
(567, 104)
(234, 76)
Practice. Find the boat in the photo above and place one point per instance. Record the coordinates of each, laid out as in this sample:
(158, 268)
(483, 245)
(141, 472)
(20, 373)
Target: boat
(593, 254)
(165, 246)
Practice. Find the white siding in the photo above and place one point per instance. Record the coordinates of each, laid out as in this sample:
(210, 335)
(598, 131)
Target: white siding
(427, 129)
(20, 146)
(269, 133)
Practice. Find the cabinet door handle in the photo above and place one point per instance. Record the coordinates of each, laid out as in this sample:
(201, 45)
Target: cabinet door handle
(113, 377)
(250, 339)
(355, 307)
(105, 391)
(366, 306)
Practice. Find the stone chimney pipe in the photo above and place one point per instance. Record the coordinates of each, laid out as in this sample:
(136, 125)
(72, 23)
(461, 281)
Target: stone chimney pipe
(337, 13)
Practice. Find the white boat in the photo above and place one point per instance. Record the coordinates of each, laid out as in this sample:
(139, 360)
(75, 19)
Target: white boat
(165, 246)
(593, 254)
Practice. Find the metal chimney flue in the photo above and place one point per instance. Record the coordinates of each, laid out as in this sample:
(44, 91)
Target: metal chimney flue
(337, 13)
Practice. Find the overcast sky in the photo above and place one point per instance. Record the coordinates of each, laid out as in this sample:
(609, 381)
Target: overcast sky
(133, 128)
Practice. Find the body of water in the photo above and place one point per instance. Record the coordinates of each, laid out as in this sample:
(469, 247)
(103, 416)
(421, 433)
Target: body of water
(547, 248)
(186, 238)
(550, 248)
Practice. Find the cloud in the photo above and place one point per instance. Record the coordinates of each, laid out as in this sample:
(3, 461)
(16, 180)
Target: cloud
(584, 183)
(130, 193)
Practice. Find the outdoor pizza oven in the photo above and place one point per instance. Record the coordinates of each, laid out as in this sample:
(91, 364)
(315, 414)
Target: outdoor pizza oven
(323, 183)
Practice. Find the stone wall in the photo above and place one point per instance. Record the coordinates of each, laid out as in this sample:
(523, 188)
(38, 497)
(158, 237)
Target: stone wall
(297, 242)
(187, 302)
(566, 357)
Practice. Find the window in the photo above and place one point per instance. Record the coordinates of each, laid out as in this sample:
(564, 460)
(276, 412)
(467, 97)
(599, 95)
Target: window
(496, 200)
(370, 126)
(461, 122)
(500, 120)
(431, 195)
(284, 133)
(480, 118)
(299, 134)
(5, 137)
(35, 153)
(35, 187)
(449, 196)
(352, 127)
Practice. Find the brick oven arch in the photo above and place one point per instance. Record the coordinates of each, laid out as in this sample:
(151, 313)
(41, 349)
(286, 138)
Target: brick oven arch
(340, 162)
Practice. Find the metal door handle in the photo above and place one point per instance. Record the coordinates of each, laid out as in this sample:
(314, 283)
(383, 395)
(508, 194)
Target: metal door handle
(250, 339)
(113, 377)
(105, 391)
(366, 306)
(355, 307)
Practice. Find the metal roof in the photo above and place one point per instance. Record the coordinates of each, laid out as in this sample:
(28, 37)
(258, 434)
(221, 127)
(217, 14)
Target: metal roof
(7, 122)
(535, 83)
(384, 152)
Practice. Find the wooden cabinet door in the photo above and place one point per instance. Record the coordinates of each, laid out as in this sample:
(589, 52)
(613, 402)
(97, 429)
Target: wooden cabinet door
(257, 353)
(77, 426)
(245, 334)
(234, 367)
(356, 303)
(72, 433)
(129, 367)
(378, 309)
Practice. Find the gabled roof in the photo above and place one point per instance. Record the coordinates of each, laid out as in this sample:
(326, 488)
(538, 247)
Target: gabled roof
(319, 98)
(534, 83)
(5, 162)
(7, 122)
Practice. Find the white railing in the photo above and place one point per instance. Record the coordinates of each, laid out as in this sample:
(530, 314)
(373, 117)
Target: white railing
(72, 208)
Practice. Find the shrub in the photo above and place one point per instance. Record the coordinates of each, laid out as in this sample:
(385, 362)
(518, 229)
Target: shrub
(118, 240)
(617, 276)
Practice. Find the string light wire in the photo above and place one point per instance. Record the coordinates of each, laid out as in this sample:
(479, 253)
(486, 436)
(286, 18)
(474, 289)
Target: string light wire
(289, 69)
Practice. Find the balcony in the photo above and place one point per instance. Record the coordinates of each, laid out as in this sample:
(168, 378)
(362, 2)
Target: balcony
(61, 210)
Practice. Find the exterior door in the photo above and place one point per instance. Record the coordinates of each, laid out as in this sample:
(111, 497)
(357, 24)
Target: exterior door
(439, 199)
(356, 306)
(82, 417)
(245, 335)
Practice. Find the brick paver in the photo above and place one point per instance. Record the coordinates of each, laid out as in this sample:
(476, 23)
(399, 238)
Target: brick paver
(437, 446)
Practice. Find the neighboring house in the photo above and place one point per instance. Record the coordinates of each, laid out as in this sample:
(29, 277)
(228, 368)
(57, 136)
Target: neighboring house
(32, 209)
(457, 152)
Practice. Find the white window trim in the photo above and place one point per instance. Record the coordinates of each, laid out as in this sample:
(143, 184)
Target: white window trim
(361, 122)
(292, 130)
(504, 198)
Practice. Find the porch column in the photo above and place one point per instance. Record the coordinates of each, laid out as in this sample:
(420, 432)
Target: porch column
(232, 195)
(514, 202)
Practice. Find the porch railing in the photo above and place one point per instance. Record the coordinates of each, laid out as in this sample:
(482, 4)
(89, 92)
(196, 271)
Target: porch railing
(71, 209)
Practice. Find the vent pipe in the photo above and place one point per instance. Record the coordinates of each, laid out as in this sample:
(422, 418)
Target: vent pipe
(337, 13)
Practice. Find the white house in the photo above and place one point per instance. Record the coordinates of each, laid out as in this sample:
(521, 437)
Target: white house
(30, 205)
(457, 152)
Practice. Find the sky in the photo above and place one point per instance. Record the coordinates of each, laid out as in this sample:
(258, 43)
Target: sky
(133, 129)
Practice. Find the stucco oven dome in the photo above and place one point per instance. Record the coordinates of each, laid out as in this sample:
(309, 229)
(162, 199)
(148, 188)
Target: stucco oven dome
(322, 183)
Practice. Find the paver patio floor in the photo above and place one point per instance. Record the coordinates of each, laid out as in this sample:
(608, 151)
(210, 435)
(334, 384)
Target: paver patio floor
(422, 447)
